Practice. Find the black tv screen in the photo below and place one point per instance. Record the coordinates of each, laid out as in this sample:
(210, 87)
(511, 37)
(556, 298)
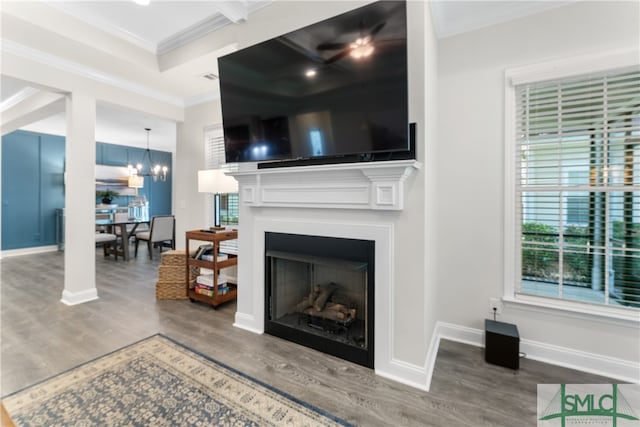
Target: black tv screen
(333, 89)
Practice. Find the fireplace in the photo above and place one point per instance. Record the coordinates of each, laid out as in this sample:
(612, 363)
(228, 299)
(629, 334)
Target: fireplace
(359, 201)
(319, 292)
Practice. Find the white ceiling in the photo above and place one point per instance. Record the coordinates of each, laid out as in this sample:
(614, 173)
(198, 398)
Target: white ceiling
(160, 23)
(148, 25)
(166, 25)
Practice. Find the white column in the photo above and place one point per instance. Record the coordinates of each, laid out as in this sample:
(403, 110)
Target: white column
(248, 316)
(79, 254)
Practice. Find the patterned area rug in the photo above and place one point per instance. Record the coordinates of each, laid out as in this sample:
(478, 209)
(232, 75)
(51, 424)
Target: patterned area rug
(159, 382)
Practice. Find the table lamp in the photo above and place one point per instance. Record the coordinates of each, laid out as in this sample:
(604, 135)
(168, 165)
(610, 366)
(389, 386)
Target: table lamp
(136, 181)
(216, 182)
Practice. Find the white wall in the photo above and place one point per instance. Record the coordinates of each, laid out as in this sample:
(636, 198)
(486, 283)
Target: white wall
(189, 205)
(471, 171)
(429, 134)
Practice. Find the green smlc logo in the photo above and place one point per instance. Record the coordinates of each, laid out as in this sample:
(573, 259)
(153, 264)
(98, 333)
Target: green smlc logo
(613, 405)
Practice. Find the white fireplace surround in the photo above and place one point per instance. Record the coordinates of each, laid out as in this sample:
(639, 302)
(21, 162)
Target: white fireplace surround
(371, 187)
(366, 185)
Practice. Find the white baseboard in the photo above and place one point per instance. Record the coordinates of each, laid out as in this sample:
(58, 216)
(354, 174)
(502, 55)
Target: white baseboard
(611, 367)
(432, 353)
(617, 369)
(405, 373)
(28, 251)
(247, 322)
(73, 298)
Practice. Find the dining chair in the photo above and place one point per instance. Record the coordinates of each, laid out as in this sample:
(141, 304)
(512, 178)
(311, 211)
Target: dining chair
(123, 217)
(162, 233)
(109, 242)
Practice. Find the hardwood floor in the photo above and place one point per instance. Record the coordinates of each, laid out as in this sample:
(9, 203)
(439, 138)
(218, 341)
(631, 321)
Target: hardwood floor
(42, 337)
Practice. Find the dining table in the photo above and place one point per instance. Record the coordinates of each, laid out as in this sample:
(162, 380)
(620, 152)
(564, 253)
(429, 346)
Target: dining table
(125, 232)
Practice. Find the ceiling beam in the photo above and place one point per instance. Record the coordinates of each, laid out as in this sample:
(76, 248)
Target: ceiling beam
(38, 106)
(17, 98)
(234, 11)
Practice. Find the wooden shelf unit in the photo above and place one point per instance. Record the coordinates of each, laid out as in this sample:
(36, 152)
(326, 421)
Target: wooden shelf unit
(215, 238)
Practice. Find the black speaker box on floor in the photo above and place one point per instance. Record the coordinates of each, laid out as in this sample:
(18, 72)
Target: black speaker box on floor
(501, 344)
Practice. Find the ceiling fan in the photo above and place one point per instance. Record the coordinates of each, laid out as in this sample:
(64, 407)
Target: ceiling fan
(361, 47)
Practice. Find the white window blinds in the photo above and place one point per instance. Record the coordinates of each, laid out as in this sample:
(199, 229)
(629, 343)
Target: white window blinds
(578, 188)
(215, 159)
(214, 147)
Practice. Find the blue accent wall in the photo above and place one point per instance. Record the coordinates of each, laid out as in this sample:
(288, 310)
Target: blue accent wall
(32, 188)
(33, 185)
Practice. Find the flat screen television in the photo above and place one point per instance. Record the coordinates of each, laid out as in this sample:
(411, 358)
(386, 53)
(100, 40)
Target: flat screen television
(332, 91)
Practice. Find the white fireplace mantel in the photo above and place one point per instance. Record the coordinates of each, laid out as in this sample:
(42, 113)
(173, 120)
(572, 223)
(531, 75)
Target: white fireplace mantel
(367, 185)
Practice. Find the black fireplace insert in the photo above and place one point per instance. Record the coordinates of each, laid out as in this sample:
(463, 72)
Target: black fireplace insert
(320, 293)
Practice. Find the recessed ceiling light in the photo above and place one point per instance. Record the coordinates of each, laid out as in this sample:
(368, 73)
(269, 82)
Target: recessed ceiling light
(310, 72)
(142, 2)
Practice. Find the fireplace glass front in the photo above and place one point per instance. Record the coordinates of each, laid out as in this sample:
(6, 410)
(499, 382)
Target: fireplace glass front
(320, 293)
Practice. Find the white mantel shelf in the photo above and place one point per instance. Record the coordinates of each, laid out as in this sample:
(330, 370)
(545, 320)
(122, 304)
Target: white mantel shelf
(366, 185)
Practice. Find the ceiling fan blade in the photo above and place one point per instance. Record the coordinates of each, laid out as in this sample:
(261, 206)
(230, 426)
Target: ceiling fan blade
(331, 46)
(377, 28)
(337, 57)
(390, 42)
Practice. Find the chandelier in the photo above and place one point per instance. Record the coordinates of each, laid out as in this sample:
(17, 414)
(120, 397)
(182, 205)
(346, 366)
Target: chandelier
(147, 168)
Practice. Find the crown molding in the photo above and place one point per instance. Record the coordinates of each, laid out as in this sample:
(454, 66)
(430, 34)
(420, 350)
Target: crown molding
(231, 12)
(191, 33)
(20, 50)
(107, 27)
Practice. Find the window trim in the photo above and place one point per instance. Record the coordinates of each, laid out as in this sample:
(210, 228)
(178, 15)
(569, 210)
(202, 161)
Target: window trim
(549, 70)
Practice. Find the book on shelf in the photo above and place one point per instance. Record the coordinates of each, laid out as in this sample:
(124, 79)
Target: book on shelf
(208, 291)
(201, 249)
(209, 287)
(205, 253)
(208, 256)
(202, 291)
(207, 280)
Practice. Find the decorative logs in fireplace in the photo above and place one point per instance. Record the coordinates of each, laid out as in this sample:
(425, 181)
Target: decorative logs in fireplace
(323, 313)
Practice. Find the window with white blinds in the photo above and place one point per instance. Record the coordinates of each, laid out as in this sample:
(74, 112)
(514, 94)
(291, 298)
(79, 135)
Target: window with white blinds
(214, 147)
(215, 159)
(578, 188)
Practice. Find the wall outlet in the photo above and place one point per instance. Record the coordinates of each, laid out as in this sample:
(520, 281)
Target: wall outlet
(497, 303)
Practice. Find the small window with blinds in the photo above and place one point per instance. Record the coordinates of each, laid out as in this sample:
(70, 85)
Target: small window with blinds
(578, 188)
(215, 159)
(214, 147)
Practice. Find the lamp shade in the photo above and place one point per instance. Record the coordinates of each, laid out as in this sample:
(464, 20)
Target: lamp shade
(215, 181)
(136, 181)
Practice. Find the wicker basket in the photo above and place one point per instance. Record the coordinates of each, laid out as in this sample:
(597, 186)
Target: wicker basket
(171, 290)
(170, 273)
(175, 257)
(171, 276)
